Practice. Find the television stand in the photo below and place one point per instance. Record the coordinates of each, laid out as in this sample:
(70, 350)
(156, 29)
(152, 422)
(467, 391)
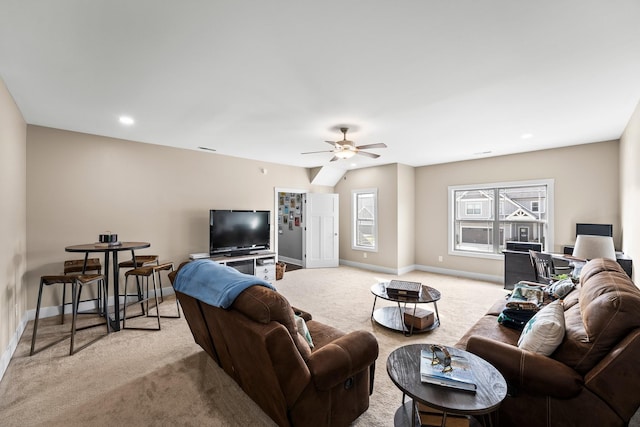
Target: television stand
(261, 264)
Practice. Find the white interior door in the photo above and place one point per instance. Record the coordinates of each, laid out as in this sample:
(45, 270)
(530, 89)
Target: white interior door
(321, 230)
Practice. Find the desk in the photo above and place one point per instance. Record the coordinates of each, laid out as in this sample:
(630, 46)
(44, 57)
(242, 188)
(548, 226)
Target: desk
(517, 266)
(108, 250)
(403, 367)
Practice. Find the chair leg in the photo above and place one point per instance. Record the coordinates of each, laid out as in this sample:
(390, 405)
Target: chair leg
(75, 291)
(35, 323)
(74, 315)
(139, 289)
(102, 288)
(124, 305)
(64, 299)
(170, 268)
(155, 295)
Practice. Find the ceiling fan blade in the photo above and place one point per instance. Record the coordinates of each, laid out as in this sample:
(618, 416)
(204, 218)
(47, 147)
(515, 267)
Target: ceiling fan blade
(365, 153)
(314, 152)
(334, 158)
(331, 142)
(378, 145)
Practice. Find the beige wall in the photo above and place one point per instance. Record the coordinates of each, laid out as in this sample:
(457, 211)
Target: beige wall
(586, 190)
(630, 187)
(82, 185)
(396, 214)
(385, 179)
(13, 229)
(406, 217)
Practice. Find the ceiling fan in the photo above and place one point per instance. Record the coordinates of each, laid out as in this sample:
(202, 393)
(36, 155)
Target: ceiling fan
(346, 149)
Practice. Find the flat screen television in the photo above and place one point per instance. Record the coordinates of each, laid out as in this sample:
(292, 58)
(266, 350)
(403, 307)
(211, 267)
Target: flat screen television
(238, 232)
(594, 229)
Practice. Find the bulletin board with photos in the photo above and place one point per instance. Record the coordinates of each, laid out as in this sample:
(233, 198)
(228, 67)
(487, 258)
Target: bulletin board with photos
(289, 211)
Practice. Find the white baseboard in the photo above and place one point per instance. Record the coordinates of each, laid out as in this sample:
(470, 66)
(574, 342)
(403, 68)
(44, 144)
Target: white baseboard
(429, 269)
(290, 260)
(7, 354)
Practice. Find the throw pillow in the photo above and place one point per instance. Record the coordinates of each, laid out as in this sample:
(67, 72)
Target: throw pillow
(545, 331)
(303, 330)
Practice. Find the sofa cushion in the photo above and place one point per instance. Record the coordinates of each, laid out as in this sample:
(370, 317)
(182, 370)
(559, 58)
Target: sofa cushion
(488, 326)
(607, 310)
(544, 332)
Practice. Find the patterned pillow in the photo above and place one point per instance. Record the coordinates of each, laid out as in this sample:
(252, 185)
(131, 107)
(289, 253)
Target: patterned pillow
(545, 331)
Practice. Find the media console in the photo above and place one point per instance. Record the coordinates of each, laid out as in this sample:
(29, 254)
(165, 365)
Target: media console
(261, 264)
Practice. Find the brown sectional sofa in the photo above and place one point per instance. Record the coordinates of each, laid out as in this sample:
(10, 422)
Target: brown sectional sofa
(593, 377)
(257, 343)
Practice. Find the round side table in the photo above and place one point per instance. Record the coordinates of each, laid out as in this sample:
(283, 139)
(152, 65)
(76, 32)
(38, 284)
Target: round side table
(403, 367)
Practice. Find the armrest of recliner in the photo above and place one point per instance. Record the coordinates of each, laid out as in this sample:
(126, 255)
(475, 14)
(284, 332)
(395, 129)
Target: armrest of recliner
(343, 358)
(527, 371)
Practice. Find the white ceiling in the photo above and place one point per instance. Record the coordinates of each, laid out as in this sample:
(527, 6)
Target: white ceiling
(437, 81)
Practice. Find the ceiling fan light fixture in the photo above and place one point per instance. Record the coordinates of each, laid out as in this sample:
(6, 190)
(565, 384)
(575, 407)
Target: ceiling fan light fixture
(344, 154)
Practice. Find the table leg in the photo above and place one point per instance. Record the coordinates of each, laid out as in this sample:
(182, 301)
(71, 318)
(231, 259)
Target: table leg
(414, 413)
(414, 315)
(375, 298)
(115, 322)
(435, 305)
(404, 327)
(444, 420)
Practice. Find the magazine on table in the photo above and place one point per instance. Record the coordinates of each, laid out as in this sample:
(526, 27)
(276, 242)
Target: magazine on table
(460, 377)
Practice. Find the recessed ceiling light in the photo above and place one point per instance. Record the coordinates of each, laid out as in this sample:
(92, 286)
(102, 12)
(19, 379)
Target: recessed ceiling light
(126, 120)
(207, 148)
(526, 135)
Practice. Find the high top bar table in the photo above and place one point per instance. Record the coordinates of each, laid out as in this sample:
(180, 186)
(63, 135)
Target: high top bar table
(108, 250)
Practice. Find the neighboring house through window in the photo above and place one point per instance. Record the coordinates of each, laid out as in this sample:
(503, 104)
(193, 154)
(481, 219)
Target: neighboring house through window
(364, 219)
(482, 218)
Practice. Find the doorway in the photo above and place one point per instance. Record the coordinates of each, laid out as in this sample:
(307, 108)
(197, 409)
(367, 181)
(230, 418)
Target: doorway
(289, 225)
(306, 228)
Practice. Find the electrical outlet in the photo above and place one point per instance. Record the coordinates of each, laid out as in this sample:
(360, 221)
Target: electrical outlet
(364, 254)
(440, 258)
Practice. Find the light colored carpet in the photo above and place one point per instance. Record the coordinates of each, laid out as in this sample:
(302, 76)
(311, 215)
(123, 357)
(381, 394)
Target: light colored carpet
(162, 378)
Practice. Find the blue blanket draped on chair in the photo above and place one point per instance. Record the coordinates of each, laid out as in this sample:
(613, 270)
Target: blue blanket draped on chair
(213, 283)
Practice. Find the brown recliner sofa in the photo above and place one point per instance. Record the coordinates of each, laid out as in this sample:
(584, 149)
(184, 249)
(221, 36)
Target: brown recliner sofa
(593, 377)
(257, 343)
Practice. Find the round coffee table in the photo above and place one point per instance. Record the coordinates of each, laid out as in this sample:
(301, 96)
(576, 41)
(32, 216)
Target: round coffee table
(393, 317)
(403, 367)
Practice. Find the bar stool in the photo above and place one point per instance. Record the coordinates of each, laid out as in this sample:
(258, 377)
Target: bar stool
(140, 261)
(141, 272)
(145, 272)
(77, 282)
(77, 267)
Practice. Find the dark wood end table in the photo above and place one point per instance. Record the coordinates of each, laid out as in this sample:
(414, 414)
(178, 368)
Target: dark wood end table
(403, 367)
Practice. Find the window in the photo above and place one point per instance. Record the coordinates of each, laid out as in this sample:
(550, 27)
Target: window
(474, 208)
(535, 206)
(365, 219)
(482, 218)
